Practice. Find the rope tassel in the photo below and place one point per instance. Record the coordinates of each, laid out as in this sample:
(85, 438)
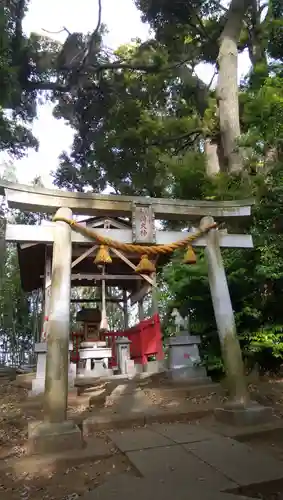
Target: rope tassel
(190, 256)
(103, 256)
(145, 266)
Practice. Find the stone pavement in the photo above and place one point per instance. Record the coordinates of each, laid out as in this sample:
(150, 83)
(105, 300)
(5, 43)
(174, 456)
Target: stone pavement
(181, 460)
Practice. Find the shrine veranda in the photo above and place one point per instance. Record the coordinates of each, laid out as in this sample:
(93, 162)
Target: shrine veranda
(55, 256)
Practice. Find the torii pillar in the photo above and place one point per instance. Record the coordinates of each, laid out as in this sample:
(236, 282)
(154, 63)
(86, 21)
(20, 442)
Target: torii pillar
(240, 410)
(57, 433)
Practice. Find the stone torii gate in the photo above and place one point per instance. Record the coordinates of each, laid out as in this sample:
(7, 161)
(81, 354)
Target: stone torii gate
(138, 209)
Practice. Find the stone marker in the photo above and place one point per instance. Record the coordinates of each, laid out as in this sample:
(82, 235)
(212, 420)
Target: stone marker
(38, 383)
(184, 359)
(123, 354)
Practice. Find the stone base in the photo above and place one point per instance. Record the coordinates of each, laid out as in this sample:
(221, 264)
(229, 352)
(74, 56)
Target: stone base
(241, 416)
(187, 374)
(37, 386)
(153, 367)
(46, 437)
(94, 374)
(38, 389)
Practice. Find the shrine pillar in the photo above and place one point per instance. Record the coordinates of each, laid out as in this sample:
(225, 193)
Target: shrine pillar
(141, 314)
(3, 224)
(224, 316)
(154, 296)
(56, 433)
(56, 381)
(125, 310)
(141, 310)
(46, 294)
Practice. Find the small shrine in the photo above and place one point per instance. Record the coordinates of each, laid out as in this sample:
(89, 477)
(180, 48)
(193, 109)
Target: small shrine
(90, 353)
(92, 349)
(90, 320)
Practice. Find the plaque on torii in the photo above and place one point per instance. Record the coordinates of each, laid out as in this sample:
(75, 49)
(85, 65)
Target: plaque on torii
(143, 226)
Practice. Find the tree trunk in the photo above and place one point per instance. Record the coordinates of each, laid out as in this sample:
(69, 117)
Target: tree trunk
(212, 157)
(227, 85)
(2, 246)
(201, 94)
(256, 44)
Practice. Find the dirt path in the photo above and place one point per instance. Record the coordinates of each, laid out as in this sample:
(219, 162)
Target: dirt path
(67, 482)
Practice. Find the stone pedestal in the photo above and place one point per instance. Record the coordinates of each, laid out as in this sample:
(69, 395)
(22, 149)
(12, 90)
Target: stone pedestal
(95, 356)
(46, 437)
(38, 384)
(184, 358)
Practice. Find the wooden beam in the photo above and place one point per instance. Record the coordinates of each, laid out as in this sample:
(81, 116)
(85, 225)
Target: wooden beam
(90, 301)
(27, 245)
(35, 199)
(140, 294)
(44, 234)
(131, 265)
(110, 223)
(22, 233)
(106, 277)
(83, 256)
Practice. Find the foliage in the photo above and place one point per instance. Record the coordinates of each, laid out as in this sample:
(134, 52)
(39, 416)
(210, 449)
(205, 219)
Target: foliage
(129, 122)
(23, 61)
(20, 312)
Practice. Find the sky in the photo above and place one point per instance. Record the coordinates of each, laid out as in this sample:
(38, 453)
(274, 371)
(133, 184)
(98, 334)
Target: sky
(123, 24)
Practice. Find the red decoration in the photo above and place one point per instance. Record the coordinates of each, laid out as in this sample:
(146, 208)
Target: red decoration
(146, 340)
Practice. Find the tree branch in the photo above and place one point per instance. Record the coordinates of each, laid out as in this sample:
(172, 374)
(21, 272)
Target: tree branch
(54, 86)
(57, 32)
(33, 85)
(126, 65)
(99, 16)
(184, 73)
(187, 135)
(90, 47)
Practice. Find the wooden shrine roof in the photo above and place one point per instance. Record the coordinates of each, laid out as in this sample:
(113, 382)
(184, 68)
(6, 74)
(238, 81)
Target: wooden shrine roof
(85, 273)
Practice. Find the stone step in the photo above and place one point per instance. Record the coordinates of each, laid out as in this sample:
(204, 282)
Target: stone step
(128, 486)
(237, 460)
